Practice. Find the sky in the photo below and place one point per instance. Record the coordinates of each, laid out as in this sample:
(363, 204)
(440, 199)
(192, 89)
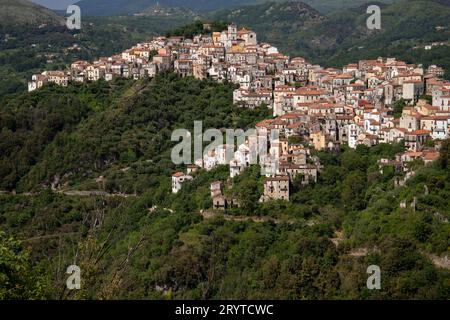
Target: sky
(55, 4)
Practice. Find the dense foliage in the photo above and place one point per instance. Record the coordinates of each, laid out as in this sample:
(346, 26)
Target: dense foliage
(159, 245)
(29, 122)
(39, 146)
(196, 28)
(17, 278)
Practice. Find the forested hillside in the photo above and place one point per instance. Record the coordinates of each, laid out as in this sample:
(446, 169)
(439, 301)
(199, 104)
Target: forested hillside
(128, 7)
(154, 244)
(273, 19)
(21, 12)
(138, 119)
(407, 27)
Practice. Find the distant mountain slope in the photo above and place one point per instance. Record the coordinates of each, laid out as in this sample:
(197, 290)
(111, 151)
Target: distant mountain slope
(444, 2)
(288, 11)
(25, 12)
(327, 6)
(274, 22)
(406, 27)
(163, 11)
(125, 7)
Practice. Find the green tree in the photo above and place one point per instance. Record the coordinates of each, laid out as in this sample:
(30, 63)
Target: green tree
(353, 191)
(17, 279)
(444, 158)
(398, 108)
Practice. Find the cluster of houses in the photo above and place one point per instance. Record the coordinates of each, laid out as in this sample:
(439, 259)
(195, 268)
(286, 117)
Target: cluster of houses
(284, 165)
(402, 160)
(321, 107)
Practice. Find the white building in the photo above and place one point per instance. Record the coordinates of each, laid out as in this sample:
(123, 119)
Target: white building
(177, 180)
(353, 132)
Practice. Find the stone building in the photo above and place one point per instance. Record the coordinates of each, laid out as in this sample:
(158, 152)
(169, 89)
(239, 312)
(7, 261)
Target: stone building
(276, 188)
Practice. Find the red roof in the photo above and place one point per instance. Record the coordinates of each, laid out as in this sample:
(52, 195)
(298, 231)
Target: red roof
(178, 174)
(419, 132)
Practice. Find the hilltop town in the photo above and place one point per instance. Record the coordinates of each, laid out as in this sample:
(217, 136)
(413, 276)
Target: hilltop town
(313, 107)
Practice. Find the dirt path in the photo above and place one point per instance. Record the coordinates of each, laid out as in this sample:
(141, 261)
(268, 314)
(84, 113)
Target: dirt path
(359, 252)
(338, 237)
(441, 262)
(97, 193)
(78, 193)
(50, 236)
(257, 219)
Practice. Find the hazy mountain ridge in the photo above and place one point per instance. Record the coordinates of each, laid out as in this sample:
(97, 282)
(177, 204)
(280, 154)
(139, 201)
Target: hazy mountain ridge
(289, 12)
(405, 29)
(26, 12)
(164, 11)
(127, 7)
